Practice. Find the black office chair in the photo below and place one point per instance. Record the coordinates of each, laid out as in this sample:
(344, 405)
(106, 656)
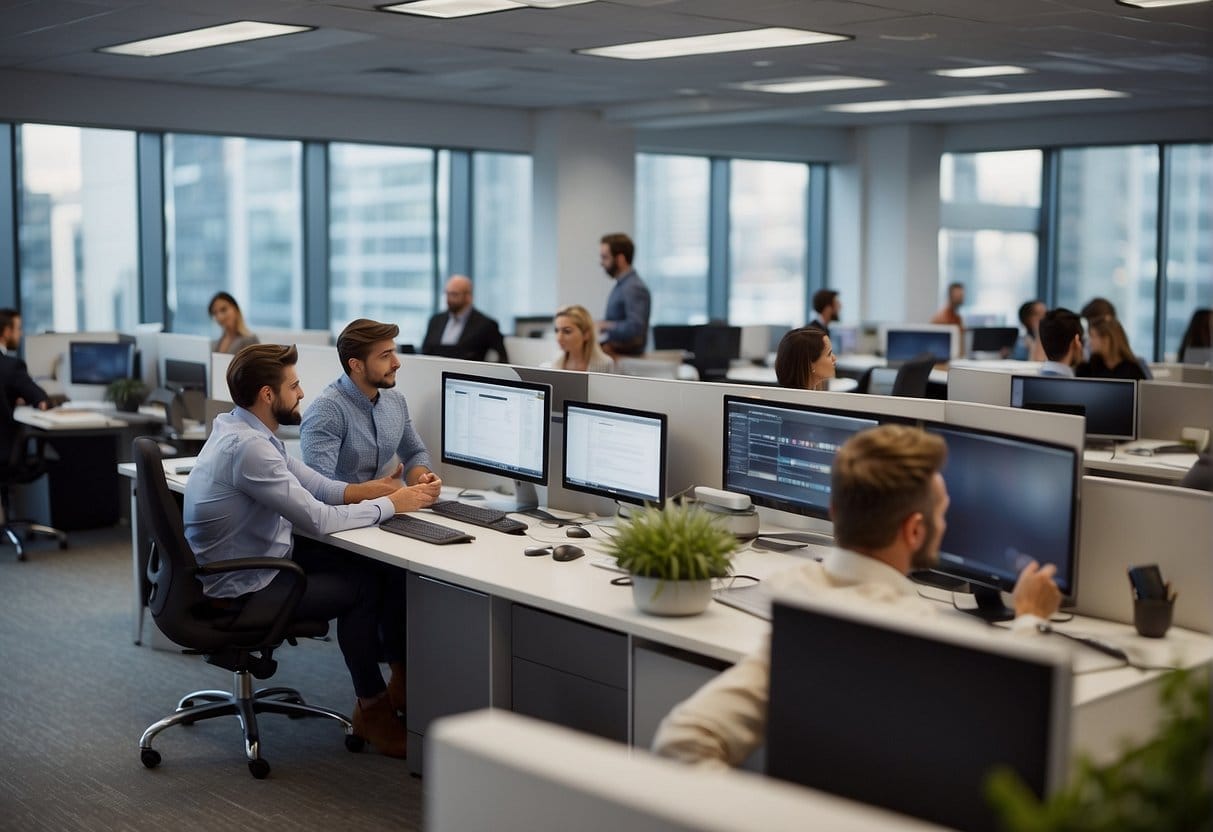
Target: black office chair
(190, 619)
(913, 376)
(715, 346)
(26, 463)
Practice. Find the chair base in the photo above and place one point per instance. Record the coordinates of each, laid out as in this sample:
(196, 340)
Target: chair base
(14, 528)
(244, 703)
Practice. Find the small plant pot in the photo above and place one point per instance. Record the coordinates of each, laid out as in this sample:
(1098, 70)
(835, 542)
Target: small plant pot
(128, 405)
(660, 597)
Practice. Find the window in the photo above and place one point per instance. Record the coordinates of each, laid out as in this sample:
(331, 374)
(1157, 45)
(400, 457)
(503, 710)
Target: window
(768, 242)
(1190, 239)
(672, 203)
(988, 238)
(501, 241)
(233, 222)
(1107, 239)
(77, 228)
(381, 236)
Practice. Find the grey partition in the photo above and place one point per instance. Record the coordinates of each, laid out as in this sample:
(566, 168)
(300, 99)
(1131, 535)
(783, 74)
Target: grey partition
(1165, 408)
(1126, 523)
(970, 384)
(1060, 428)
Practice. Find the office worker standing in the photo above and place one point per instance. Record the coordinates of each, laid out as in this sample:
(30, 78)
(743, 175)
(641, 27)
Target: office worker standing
(888, 502)
(624, 329)
(16, 386)
(462, 331)
(244, 497)
(950, 312)
(1060, 333)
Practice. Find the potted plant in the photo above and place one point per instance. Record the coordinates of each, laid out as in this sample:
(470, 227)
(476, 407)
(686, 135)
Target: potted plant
(673, 554)
(126, 394)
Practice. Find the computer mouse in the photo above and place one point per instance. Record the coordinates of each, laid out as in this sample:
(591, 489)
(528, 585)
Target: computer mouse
(536, 551)
(576, 531)
(566, 552)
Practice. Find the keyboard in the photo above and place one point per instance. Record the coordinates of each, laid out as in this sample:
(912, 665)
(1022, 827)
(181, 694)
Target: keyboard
(418, 529)
(490, 518)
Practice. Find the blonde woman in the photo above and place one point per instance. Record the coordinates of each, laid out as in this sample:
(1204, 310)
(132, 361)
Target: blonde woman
(578, 342)
(235, 334)
(1111, 356)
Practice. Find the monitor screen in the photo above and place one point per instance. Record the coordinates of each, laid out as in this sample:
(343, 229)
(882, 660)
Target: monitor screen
(95, 362)
(911, 718)
(994, 338)
(496, 425)
(781, 454)
(615, 452)
(1013, 500)
(184, 375)
(1110, 405)
(908, 344)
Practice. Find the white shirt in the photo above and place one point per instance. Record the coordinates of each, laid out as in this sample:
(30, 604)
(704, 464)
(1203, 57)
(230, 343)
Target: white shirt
(453, 330)
(1056, 368)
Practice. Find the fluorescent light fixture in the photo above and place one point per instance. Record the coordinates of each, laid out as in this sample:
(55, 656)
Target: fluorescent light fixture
(552, 4)
(1157, 4)
(237, 32)
(975, 100)
(769, 38)
(452, 8)
(810, 83)
(981, 71)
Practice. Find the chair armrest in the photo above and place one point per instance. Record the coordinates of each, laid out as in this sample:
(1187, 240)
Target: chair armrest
(283, 617)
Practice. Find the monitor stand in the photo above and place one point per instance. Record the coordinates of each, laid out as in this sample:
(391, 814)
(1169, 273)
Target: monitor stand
(524, 501)
(990, 607)
(1100, 445)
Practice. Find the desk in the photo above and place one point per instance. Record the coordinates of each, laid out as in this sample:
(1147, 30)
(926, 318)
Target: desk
(1166, 469)
(489, 626)
(854, 365)
(752, 374)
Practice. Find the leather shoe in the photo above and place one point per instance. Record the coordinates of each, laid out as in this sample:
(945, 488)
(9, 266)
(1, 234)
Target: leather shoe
(396, 689)
(378, 725)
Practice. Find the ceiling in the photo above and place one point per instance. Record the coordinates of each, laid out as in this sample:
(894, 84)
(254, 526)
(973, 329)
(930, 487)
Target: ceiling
(524, 58)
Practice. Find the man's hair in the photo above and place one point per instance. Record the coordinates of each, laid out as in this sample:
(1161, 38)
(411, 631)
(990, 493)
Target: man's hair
(257, 366)
(823, 298)
(1025, 311)
(880, 477)
(356, 340)
(1097, 308)
(1057, 330)
(955, 284)
(798, 349)
(7, 315)
(620, 243)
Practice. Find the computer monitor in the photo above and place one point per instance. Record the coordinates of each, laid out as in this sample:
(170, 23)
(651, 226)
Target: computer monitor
(533, 326)
(844, 339)
(905, 342)
(184, 375)
(498, 426)
(912, 715)
(993, 339)
(1013, 500)
(674, 337)
(98, 362)
(1110, 404)
(781, 454)
(614, 452)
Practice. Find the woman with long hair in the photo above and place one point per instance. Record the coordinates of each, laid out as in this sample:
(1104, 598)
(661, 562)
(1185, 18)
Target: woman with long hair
(235, 334)
(1199, 332)
(1111, 355)
(578, 340)
(805, 359)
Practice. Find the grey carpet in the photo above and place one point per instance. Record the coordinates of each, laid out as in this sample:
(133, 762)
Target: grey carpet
(75, 695)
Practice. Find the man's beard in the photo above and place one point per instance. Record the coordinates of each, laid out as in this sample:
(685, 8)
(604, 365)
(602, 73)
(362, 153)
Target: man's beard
(926, 556)
(286, 417)
(611, 270)
(382, 382)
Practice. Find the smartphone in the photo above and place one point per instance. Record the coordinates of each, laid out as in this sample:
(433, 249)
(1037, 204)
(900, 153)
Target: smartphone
(1147, 582)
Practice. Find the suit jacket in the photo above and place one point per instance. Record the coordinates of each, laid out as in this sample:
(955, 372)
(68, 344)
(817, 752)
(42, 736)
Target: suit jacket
(480, 334)
(15, 383)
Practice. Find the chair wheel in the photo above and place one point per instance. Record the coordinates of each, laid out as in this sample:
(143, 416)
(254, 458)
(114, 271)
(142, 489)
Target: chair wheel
(354, 743)
(259, 768)
(150, 757)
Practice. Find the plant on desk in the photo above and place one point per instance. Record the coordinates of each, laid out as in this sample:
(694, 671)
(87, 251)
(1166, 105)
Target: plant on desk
(673, 554)
(126, 394)
(1161, 784)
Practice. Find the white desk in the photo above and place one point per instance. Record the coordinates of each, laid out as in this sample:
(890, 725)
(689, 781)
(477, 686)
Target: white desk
(1167, 469)
(753, 374)
(856, 364)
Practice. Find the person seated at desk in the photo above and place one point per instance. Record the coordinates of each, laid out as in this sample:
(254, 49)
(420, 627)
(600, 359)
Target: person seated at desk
(1061, 339)
(828, 307)
(1111, 356)
(1027, 348)
(16, 386)
(888, 503)
(579, 348)
(1199, 334)
(226, 312)
(805, 359)
(246, 494)
(950, 312)
(463, 331)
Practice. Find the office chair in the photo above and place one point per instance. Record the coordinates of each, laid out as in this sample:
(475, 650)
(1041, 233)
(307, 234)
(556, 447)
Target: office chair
(912, 377)
(26, 463)
(715, 346)
(190, 619)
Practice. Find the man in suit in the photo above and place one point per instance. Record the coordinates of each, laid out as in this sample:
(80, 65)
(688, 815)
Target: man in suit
(15, 383)
(462, 331)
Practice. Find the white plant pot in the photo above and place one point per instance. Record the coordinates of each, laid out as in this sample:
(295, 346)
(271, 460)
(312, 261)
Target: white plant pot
(659, 597)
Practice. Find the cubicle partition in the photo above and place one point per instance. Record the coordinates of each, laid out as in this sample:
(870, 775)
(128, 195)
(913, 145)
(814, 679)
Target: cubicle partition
(1165, 408)
(973, 384)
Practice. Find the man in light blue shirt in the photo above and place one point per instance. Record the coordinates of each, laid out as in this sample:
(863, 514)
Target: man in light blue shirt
(625, 326)
(244, 497)
(1060, 332)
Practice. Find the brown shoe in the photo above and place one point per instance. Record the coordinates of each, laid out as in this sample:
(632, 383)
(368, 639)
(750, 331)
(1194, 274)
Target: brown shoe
(377, 724)
(395, 687)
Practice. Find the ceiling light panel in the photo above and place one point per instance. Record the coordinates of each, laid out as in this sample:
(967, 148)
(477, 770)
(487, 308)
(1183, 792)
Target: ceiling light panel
(812, 83)
(981, 71)
(991, 100)
(769, 38)
(1158, 4)
(453, 8)
(226, 33)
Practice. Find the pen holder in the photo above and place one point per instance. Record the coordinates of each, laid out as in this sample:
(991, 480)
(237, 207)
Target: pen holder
(1152, 616)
